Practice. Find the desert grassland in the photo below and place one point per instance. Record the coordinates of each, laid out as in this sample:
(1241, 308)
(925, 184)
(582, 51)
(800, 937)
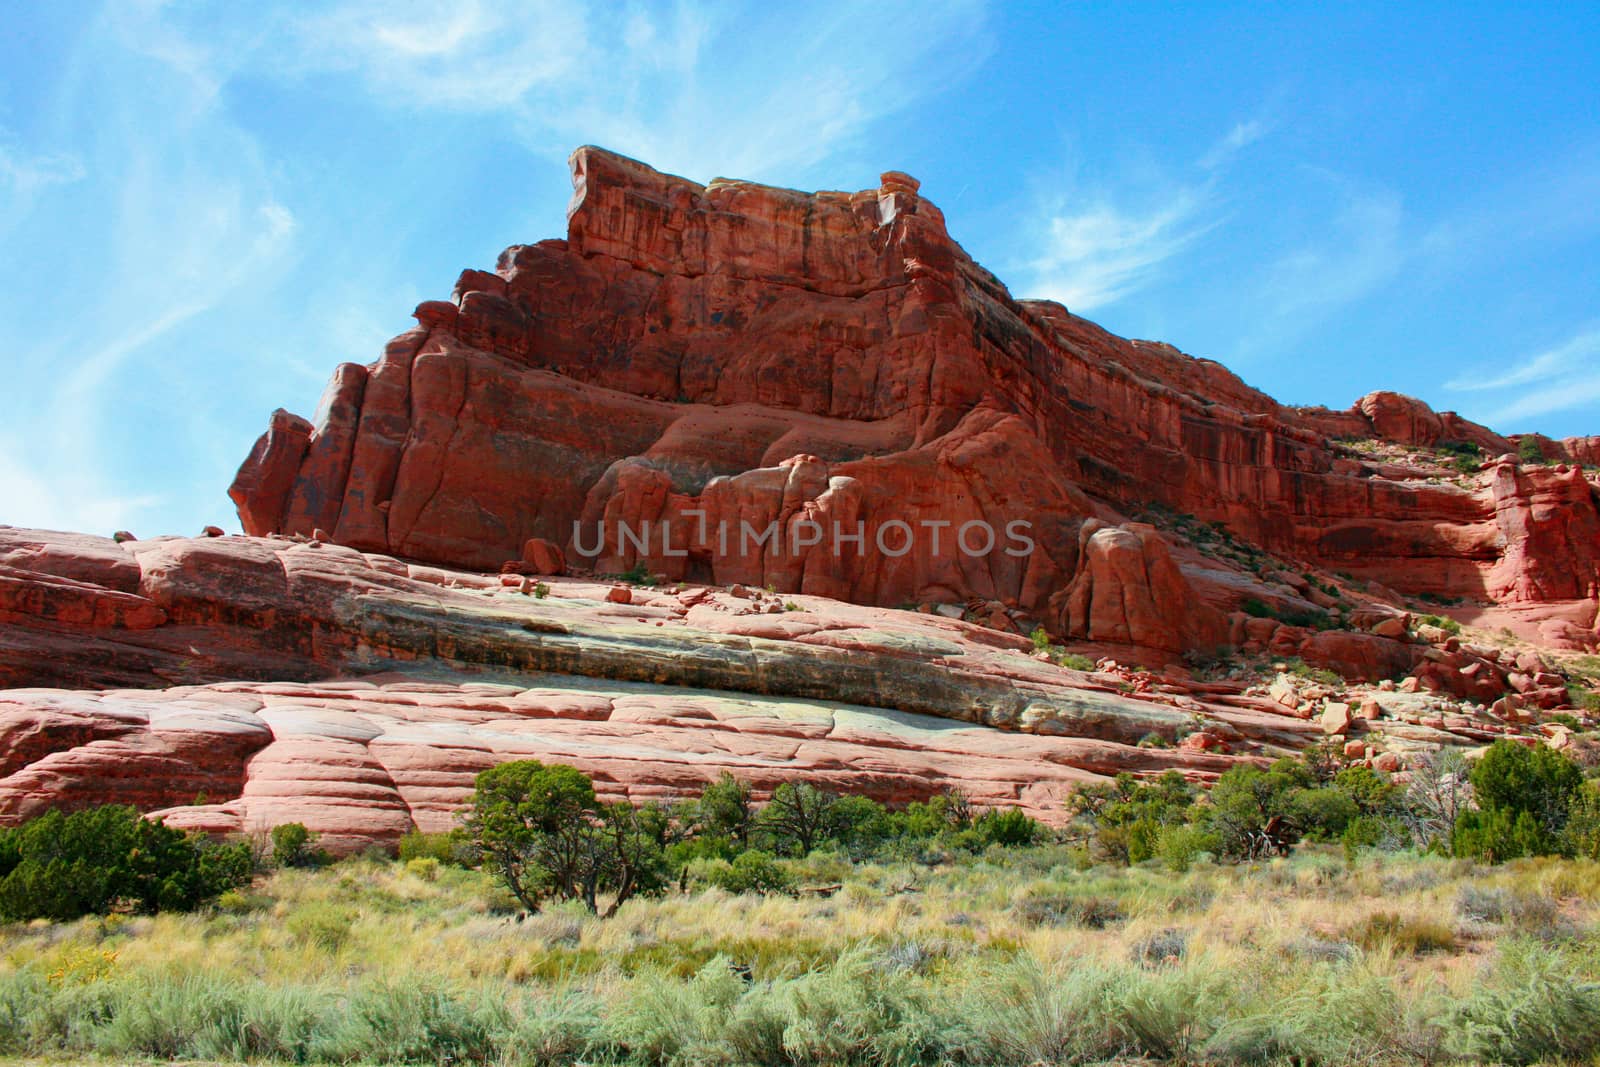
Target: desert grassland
(1023, 957)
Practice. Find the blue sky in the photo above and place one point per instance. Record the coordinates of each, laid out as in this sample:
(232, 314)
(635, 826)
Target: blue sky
(205, 207)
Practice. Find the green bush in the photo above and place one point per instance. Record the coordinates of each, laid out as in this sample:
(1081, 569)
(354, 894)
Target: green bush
(749, 872)
(452, 848)
(62, 866)
(1448, 625)
(1008, 827)
(1524, 796)
(1530, 1008)
(1127, 816)
(295, 846)
(1179, 846)
(1529, 451)
(1253, 811)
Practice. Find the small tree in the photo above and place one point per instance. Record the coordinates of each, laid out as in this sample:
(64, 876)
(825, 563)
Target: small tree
(1255, 813)
(1525, 796)
(798, 817)
(295, 846)
(542, 829)
(1438, 791)
(726, 810)
(61, 866)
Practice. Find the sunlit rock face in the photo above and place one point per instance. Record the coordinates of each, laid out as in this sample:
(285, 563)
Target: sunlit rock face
(845, 474)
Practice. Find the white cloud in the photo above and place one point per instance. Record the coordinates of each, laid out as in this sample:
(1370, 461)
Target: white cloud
(1562, 378)
(470, 55)
(1100, 254)
(679, 86)
(53, 498)
(1360, 251)
(25, 173)
(1103, 241)
(1235, 140)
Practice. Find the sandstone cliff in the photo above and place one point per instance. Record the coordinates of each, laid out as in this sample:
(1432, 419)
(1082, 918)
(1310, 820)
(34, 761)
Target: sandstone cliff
(522, 532)
(692, 358)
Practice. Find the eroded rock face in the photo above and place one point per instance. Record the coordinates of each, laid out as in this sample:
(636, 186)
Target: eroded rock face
(692, 359)
(793, 414)
(235, 683)
(279, 681)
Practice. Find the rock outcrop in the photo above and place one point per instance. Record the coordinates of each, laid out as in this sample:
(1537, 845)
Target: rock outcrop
(235, 683)
(693, 361)
(741, 478)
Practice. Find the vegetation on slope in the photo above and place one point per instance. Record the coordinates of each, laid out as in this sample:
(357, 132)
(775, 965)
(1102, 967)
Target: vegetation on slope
(817, 929)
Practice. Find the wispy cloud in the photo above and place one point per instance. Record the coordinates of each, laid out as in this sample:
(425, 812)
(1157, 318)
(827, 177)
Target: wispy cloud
(1563, 378)
(1233, 142)
(25, 173)
(1100, 254)
(52, 498)
(1358, 251)
(469, 55)
(679, 85)
(1105, 240)
(175, 208)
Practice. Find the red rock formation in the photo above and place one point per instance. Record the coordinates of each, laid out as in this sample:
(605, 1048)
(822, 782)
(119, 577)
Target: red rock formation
(739, 389)
(695, 357)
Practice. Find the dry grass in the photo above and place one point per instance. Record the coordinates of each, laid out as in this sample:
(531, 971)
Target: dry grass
(975, 963)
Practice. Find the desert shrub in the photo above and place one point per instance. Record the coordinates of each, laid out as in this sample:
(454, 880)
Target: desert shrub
(1581, 835)
(662, 1019)
(1529, 451)
(321, 924)
(1442, 622)
(1040, 639)
(1337, 1015)
(423, 867)
(295, 846)
(1530, 912)
(62, 866)
(1127, 816)
(1064, 909)
(939, 816)
(1373, 793)
(859, 1012)
(1018, 1013)
(414, 1022)
(452, 848)
(1008, 827)
(1165, 946)
(1524, 797)
(565, 1027)
(1323, 814)
(1253, 811)
(858, 825)
(1529, 1008)
(749, 872)
(1075, 661)
(1179, 846)
(1410, 937)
